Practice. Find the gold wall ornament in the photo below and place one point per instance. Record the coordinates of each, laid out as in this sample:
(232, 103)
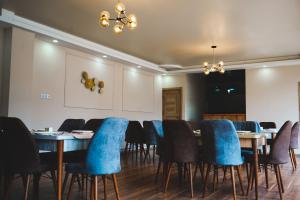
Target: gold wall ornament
(101, 86)
(89, 83)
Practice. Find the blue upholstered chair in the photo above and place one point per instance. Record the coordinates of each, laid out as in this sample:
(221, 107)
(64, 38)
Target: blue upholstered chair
(221, 147)
(103, 155)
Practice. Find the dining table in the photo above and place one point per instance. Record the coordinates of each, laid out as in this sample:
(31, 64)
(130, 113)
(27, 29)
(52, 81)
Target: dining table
(61, 142)
(254, 141)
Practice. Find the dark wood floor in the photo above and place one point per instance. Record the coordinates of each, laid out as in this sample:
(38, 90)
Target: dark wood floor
(136, 181)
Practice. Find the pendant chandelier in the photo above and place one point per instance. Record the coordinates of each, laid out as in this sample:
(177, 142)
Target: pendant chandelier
(208, 68)
(120, 21)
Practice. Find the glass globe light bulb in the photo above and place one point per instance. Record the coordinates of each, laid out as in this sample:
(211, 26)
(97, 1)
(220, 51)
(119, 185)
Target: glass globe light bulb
(132, 25)
(132, 18)
(222, 71)
(104, 15)
(221, 63)
(118, 28)
(206, 71)
(205, 64)
(120, 8)
(104, 23)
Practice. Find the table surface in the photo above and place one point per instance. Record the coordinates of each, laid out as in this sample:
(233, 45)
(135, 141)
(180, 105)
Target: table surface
(62, 136)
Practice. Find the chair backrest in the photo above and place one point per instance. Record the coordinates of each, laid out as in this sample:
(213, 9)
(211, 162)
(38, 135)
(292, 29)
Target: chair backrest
(149, 133)
(20, 150)
(252, 126)
(134, 132)
(279, 153)
(221, 143)
(93, 125)
(268, 125)
(103, 154)
(181, 143)
(295, 135)
(72, 124)
(195, 124)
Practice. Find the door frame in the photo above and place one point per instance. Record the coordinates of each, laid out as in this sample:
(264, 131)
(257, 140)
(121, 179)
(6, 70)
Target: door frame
(181, 99)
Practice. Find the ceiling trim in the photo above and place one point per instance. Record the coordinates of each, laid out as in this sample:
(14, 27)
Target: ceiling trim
(10, 18)
(277, 63)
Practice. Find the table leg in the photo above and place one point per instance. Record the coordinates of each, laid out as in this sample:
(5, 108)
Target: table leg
(60, 150)
(255, 165)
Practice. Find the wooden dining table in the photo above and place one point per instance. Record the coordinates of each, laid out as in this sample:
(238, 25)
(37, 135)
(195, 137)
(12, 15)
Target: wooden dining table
(61, 143)
(249, 140)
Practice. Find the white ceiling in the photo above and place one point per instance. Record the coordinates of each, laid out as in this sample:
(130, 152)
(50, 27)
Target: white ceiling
(180, 32)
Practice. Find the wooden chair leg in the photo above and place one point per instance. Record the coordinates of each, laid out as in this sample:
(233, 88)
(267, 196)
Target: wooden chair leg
(280, 177)
(86, 186)
(96, 189)
(224, 175)
(104, 186)
(168, 176)
(278, 180)
(36, 180)
(250, 179)
(233, 182)
(240, 179)
(147, 153)
(295, 158)
(205, 180)
(78, 181)
(54, 181)
(214, 178)
(154, 151)
(292, 160)
(158, 169)
(71, 186)
(191, 179)
(195, 170)
(92, 188)
(266, 175)
(27, 181)
(116, 186)
(65, 181)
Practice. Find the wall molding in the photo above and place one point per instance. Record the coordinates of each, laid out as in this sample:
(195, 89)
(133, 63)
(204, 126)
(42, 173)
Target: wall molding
(10, 18)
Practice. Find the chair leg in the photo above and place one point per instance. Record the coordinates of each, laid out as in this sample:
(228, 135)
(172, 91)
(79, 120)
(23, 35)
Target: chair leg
(191, 179)
(240, 179)
(71, 186)
(195, 170)
(214, 177)
(278, 180)
(92, 188)
(250, 179)
(233, 182)
(147, 152)
(126, 148)
(104, 186)
(281, 182)
(168, 176)
(292, 160)
(36, 180)
(65, 181)
(27, 181)
(96, 188)
(154, 150)
(266, 175)
(54, 181)
(295, 159)
(7, 185)
(116, 186)
(157, 171)
(205, 180)
(78, 181)
(224, 175)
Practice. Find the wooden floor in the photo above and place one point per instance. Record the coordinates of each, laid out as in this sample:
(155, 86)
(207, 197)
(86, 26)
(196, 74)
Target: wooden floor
(136, 181)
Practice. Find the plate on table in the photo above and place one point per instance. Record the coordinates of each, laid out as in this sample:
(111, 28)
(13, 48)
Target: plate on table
(48, 132)
(82, 131)
(243, 132)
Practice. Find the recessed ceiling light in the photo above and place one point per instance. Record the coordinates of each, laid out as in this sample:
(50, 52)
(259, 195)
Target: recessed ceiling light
(55, 41)
(264, 66)
(104, 56)
(138, 66)
(164, 74)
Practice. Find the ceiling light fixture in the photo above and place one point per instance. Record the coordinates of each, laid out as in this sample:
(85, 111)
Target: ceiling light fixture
(120, 20)
(207, 68)
(138, 66)
(55, 41)
(104, 56)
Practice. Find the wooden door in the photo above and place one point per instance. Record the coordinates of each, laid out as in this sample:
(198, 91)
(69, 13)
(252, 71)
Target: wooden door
(172, 103)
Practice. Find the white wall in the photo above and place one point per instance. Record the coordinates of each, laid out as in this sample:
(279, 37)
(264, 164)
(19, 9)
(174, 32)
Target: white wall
(272, 94)
(42, 69)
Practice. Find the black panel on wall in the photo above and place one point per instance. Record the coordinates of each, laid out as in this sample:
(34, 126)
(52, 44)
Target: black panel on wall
(225, 93)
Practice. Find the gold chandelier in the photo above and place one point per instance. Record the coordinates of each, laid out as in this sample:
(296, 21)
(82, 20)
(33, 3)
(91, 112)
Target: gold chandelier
(120, 21)
(208, 68)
